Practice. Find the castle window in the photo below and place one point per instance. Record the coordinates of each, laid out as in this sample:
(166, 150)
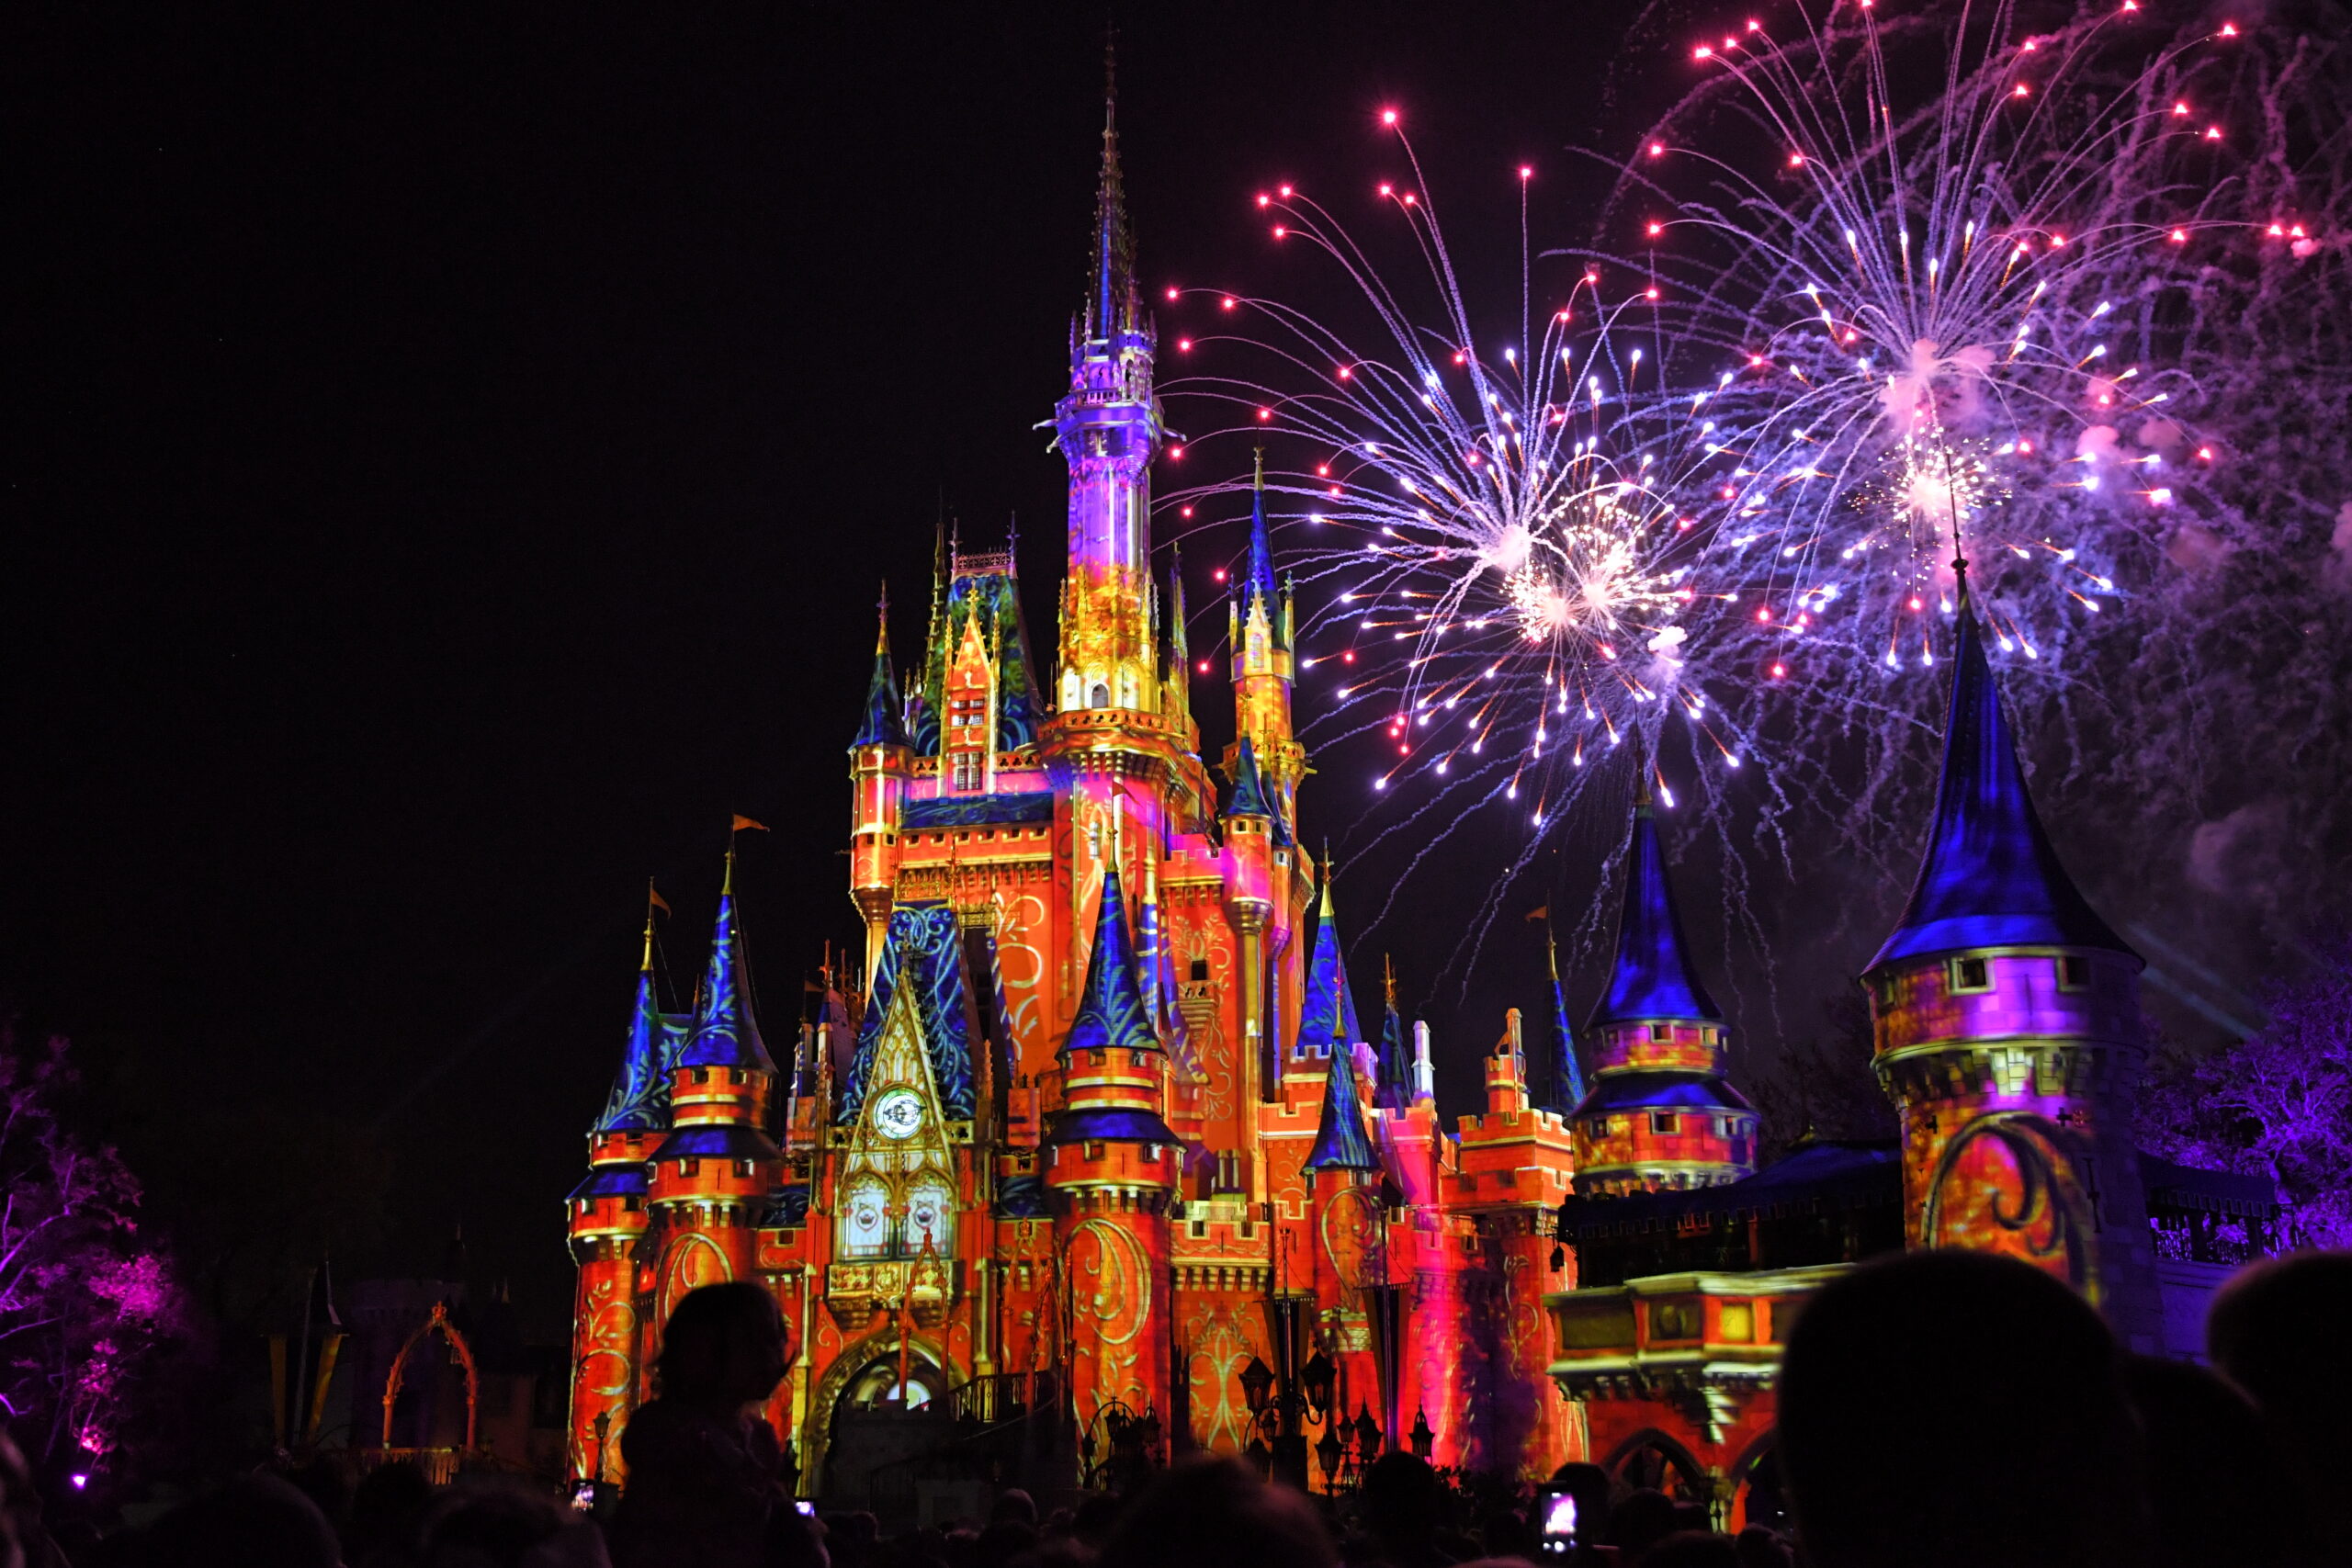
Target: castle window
(1889, 992)
(1100, 697)
(1971, 974)
(968, 769)
(1661, 1121)
(689, 1167)
(1661, 1032)
(1200, 968)
(2074, 973)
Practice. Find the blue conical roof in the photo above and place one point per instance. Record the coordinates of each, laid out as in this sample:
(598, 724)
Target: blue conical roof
(640, 1099)
(726, 1034)
(1340, 1143)
(1990, 877)
(1256, 584)
(1653, 977)
(1250, 799)
(882, 725)
(1568, 1076)
(1328, 1009)
(1110, 1013)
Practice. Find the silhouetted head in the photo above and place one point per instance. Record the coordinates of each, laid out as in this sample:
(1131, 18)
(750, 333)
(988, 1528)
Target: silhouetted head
(724, 1346)
(1589, 1484)
(488, 1525)
(258, 1519)
(2276, 1331)
(1692, 1549)
(1958, 1408)
(1213, 1511)
(384, 1507)
(1641, 1521)
(2213, 1487)
(1014, 1506)
(1403, 1499)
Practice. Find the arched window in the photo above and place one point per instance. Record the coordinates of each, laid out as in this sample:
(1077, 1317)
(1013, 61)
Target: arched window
(931, 1212)
(865, 1220)
(1101, 697)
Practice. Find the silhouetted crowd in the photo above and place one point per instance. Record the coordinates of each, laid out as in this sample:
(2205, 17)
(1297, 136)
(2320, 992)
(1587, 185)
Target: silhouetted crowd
(1935, 1410)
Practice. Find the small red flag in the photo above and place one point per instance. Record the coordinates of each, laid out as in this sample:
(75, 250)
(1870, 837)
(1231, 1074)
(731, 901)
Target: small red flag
(742, 822)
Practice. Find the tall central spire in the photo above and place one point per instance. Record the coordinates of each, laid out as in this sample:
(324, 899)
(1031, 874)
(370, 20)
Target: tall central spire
(1111, 304)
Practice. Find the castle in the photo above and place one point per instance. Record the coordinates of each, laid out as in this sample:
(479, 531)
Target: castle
(1100, 1165)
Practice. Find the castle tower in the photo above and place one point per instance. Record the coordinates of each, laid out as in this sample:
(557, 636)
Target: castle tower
(608, 1216)
(1568, 1076)
(1659, 1114)
(1393, 1068)
(879, 763)
(711, 1179)
(2008, 1030)
(1264, 663)
(1326, 1017)
(1251, 833)
(1112, 1167)
(1109, 428)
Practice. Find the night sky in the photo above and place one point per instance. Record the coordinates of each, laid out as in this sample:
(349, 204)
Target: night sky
(452, 461)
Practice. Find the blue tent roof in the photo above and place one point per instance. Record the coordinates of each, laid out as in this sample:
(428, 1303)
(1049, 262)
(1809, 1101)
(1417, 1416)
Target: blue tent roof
(640, 1099)
(1664, 1090)
(1653, 977)
(1340, 1143)
(882, 725)
(1111, 1013)
(1110, 1124)
(1328, 1009)
(921, 947)
(1990, 877)
(1256, 584)
(612, 1181)
(726, 1033)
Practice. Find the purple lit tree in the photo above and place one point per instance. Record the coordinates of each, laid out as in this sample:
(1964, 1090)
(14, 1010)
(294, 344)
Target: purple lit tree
(91, 1311)
(2278, 1103)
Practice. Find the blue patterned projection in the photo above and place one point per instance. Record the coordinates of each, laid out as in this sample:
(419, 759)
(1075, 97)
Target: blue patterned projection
(789, 1207)
(1258, 581)
(1155, 963)
(612, 1181)
(640, 1099)
(714, 1140)
(1022, 1198)
(1249, 798)
(1990, 877)
(1111, 1011)
(1328, 1011)
(726, 1033)
(1664, 1090)
(1013, 808)
(993, 597)
(1653, 977)
(1340, 1143)
(1568, 1076)
(922, 949)
(881, 725)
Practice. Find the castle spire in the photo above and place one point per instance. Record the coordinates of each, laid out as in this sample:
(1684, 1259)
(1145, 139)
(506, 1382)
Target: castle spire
(726, 1034)
(1653, 977)
(1990, 877)
(1257, 585)
(1111, 304)
(639, 1100)
(1111, 1011)
(1113, 1084)
(1328, 1012)
(1392, 1087)
(1340, 1143)
(1568, 1076)
(882, 725)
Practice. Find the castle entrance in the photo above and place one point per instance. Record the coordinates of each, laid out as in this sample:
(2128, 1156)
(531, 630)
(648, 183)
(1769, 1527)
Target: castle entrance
(884, 1426)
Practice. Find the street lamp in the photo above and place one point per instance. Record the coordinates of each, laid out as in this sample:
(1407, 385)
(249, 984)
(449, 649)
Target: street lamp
(1316, 1376)
(1328, 1452)
(1256, 1382)
(1367, 1436)
(1424, 1440)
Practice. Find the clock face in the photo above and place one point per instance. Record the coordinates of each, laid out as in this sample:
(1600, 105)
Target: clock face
(898, 1113)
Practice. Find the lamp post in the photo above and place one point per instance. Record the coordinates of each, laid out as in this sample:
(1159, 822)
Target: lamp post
(603, 1426)
(1424, 1440)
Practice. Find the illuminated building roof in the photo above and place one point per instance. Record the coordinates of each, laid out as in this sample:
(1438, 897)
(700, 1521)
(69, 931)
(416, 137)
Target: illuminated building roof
(726, 1034)
(640, 1099)
(1653, 977)
(1329, 1010)
(882, 725)
(1990, 877)
(921, 948)
(1664, 1090)
(1340, 1140)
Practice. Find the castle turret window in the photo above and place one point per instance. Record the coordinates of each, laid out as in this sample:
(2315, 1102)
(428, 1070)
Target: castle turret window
(1971, 974)
(1661, 1121)
(2074, 973)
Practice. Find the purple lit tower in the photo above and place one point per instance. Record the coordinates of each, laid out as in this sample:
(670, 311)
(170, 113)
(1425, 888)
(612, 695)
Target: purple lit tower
(2007, 1027)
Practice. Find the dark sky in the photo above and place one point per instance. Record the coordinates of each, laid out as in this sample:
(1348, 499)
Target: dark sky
(452, 457)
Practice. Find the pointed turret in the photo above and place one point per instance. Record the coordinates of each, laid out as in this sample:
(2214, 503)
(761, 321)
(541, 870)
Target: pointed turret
(1180, 645)
(1653, 976)
(2005, 1015)
(726, 1034)
(1341, 1142)
(1111, 1057)
(1568, 1076)
(1392, 1086)
(1249, 787)
(1990, 877)
(1256, 590)
(640, 1099)
(1112, 305)
(883, 724)
(1659, 1114)
(1329, 1010)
